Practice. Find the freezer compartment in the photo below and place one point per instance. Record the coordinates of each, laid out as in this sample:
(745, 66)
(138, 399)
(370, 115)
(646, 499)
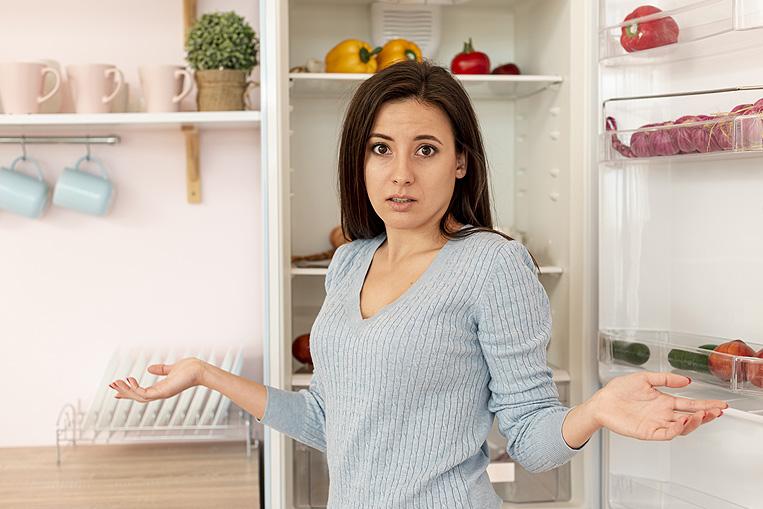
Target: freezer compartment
(702, 123)
(642, 493)
(690, 355)
(674, 33)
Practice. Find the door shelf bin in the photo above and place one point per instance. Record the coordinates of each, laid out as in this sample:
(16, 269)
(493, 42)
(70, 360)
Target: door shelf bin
(722, 24)
(626, 492)
(680, 353)
(699, 124)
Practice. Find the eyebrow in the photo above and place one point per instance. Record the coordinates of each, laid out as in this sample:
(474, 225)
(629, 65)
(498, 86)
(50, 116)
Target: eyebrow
(419, 137)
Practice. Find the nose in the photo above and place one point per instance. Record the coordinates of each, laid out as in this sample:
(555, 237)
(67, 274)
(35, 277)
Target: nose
(402, 173)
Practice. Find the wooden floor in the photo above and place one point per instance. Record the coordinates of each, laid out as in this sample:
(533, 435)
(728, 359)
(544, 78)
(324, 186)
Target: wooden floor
(203, 475)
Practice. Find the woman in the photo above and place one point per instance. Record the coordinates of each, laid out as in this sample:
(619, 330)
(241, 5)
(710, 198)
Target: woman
(433, 324)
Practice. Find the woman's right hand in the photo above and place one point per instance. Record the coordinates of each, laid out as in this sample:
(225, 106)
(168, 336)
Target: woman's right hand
(184, 374)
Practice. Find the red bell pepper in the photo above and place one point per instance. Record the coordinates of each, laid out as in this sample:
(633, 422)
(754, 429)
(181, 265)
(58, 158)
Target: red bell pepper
(470, 61)
(648, 34)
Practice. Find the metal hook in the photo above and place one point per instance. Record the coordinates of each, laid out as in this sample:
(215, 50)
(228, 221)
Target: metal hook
(23, 148)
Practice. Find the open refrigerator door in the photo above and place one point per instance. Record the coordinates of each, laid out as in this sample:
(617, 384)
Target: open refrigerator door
(681, 240)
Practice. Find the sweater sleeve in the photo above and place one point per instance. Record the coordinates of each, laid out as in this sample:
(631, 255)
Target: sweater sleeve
(302, 414)
(514, 329)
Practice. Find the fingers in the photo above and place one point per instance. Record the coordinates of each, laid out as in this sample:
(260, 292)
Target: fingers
(160, 369)
(692, 405)
(128, 389)
(663, 379)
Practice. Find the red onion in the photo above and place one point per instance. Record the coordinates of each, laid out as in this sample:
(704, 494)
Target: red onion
(618, 145)
(701, 136)
(662, 141)
(683, 135)
(641, 143)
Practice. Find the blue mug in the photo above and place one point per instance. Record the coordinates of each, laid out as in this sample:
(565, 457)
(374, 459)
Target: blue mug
(82, 191)
(23, 194)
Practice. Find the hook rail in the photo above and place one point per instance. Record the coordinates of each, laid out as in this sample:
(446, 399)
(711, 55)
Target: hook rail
(81, 140)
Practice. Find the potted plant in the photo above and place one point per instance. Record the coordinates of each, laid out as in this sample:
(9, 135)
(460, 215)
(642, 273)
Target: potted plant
(222, 50)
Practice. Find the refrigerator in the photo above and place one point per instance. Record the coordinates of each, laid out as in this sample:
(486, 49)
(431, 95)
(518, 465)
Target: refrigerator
(625, 169)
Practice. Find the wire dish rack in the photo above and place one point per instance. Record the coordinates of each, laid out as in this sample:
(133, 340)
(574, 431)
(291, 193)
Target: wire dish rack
(195, 414)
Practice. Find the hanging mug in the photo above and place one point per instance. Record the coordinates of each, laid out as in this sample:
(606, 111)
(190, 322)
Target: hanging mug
(82, 191)
(23, 194)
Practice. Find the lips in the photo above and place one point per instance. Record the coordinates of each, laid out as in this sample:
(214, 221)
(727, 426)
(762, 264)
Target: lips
(401, 197)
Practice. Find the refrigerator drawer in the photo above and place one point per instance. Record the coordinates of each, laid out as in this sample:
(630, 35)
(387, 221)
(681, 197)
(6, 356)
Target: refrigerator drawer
(311, 476)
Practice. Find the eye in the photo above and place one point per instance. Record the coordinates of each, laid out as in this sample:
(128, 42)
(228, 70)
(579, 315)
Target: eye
(430, 150)
(373, 147)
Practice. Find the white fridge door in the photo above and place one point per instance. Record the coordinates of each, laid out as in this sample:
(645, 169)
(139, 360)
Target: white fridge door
(680, 162)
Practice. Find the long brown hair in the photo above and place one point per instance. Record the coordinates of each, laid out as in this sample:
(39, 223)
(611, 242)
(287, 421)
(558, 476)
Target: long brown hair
(432, 85)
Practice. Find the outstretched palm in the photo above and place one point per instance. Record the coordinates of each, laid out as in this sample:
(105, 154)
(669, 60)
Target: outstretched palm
(632, 406)
(179, 376)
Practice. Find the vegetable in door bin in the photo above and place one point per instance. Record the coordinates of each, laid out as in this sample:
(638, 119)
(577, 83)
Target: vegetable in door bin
(642, 35)
(755, 370)
(352, 55)
(398, 50)
(721, 365)
(630, 353)
(690, 361)
(470, 61)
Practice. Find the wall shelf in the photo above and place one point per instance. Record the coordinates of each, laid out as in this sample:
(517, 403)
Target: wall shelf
(484, 86)
(202, 119)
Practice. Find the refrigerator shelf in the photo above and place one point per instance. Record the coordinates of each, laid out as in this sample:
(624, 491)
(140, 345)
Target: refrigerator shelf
(627, 492)
(482, 86)
(722, 26)
(704, 123)
(686, 354)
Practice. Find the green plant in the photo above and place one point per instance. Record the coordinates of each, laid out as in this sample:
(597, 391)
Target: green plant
(221, 40)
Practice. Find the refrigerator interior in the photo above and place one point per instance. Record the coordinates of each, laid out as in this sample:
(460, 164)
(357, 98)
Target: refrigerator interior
(680, 244)
(526, 128)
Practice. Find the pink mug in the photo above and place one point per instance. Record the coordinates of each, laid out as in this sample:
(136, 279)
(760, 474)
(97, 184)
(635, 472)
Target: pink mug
(94, 86)
(164, 86)
(21, 86)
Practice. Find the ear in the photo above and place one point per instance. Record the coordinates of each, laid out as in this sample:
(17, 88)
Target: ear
(460, 165)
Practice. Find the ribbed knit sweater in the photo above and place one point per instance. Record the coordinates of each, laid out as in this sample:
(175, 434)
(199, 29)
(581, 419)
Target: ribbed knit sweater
(402, 402)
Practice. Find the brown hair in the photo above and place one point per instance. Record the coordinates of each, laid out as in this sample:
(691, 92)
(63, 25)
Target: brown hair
(432, 85)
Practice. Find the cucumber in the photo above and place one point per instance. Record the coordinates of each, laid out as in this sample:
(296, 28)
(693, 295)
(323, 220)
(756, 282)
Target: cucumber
(690, 361)
(631, 353)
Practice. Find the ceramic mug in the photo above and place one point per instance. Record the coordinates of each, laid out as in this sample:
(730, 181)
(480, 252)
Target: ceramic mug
(21, 86)
(82, 191)
(23, 194)
(164, 86)
(94, 86)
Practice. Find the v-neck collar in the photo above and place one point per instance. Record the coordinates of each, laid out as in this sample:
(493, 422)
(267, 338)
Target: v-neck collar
(353, 296)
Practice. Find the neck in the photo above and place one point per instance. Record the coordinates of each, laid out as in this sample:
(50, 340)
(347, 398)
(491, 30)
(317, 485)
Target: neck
(407, 242)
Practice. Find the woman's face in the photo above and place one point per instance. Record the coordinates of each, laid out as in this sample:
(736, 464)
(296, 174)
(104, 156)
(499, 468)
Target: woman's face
(411, 152)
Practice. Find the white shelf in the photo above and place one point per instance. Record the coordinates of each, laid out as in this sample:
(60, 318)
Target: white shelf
(498, 86)
(627, 492)
(137, 119)
(303, 379)
(545, 270)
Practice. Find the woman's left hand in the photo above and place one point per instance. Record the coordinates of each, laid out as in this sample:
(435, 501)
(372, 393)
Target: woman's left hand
(631, 405)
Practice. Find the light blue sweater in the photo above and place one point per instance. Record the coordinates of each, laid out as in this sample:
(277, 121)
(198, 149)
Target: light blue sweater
(402, 402)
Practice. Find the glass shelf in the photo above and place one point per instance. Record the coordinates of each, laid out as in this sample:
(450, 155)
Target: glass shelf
(689, 355)
(724, 25)
(545, 270)
(135, 119)
(706, 123)
(485, 86)
(626, 492)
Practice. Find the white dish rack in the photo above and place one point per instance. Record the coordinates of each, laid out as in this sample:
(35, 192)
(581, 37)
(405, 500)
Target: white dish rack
(194, 414)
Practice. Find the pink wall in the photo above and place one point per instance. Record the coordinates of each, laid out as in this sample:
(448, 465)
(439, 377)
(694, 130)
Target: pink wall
(157, 270)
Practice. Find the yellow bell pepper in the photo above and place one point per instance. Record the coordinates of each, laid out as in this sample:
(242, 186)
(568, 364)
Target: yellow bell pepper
(397, 50)
(352, 55)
